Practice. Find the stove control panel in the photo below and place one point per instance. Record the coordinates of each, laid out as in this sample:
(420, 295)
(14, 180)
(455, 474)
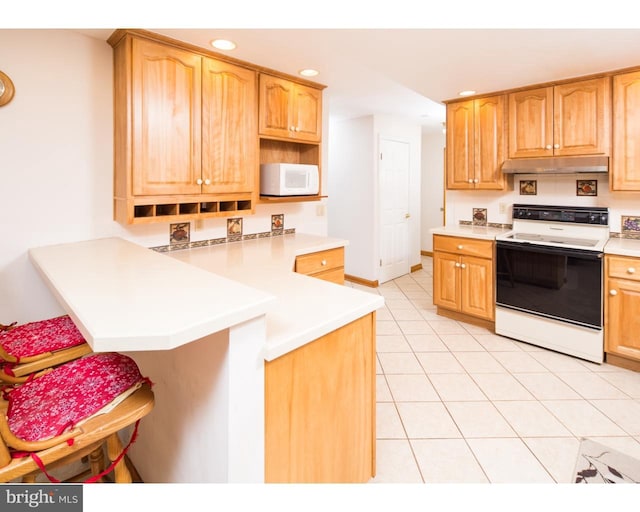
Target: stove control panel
(572, 214)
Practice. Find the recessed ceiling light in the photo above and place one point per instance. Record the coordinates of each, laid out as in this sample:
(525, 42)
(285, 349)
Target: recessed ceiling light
(308, 72)
(467, 93)
(223, 44)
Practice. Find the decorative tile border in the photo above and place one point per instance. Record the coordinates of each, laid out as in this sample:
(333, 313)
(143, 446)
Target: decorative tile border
(630, 236)
(219, 241)
(489, 224)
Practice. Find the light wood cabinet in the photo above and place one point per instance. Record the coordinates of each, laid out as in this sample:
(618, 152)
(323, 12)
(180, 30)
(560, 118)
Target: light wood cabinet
(185, 133)
(476, 144)
(320, 409)
(621, 305)
(290, 110)
(463, 273)
(327, 265)
(625, 161)
(563, 120)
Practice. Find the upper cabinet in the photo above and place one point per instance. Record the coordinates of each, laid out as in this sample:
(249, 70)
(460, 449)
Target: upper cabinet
(476, 143)
(191, 131)
(562, 120)
(290, 110)
(625, 162)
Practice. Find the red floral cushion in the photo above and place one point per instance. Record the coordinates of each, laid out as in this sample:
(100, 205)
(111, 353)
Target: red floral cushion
(39, 337)
(47, 406)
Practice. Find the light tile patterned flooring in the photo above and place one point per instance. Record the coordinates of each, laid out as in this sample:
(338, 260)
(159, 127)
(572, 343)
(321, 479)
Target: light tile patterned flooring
(458, 404)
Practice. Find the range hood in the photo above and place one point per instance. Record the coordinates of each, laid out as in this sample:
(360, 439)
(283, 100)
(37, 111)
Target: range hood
(557, 165)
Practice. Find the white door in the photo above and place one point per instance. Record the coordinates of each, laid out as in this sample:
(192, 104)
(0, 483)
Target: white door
(393, 181)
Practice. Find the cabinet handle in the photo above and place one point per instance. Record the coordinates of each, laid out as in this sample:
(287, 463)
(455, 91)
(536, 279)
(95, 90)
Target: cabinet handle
(462, 265)
(548, 146)
(460, 247)
(457, 265)
(556, 146)
(476, 180)
(199, 181)
(323, 262)
(207, 182)
(297, 128)
(470, 180)
(292, 128)
(631, 270)
(613, 292)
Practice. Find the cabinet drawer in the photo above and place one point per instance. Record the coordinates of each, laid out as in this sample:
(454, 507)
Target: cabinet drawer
(463, 246)
(335, 275)
(623, 267)
(320, 261)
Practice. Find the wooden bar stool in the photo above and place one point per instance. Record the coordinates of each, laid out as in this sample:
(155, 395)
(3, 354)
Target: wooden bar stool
(72, 412)
(34, 347)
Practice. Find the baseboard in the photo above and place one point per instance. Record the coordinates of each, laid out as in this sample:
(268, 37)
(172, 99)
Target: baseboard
(417, 267)
(426, 253)
(454, 315)
(359, 280)
(622, 362)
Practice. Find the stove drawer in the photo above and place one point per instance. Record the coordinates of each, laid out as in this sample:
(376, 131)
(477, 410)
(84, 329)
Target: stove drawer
(463, 246)
(623, 267)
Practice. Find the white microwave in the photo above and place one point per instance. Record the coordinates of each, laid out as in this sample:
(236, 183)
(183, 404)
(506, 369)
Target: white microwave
(289, 179)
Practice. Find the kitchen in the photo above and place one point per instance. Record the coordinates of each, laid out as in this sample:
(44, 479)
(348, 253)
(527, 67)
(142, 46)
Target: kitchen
(74, 201)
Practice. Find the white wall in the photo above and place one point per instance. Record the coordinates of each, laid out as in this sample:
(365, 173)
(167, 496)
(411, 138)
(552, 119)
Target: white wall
(551, 190)
(353, 188)
(352, 199)
(56, 164)
(432, 186)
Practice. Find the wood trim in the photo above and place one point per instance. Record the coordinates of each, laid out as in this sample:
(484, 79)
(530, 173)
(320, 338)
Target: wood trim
(359, 280)
(426, 253)
(622, 362)
(454, 315)
(548, 84)
(120, 33)
(415, 268)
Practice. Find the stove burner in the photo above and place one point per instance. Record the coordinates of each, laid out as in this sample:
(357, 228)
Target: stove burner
(532, 237)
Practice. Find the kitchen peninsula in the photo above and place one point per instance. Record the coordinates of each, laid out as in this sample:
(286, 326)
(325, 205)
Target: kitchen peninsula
(237, 345)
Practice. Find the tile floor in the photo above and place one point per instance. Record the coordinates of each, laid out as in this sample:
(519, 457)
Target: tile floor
(458, 404)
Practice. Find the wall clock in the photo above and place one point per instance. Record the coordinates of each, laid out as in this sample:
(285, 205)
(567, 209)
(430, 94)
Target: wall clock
(6, 89)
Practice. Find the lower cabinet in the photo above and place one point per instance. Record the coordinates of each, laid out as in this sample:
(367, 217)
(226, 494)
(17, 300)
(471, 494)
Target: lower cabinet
(621, 305)
(320, 409)
(463, 276)
(327, 265)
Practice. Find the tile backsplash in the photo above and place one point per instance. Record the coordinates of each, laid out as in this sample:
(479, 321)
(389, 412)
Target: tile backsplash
(550, 190)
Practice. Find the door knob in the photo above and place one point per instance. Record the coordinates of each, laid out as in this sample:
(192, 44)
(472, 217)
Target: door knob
(199, 181)
(457, 265)
(323, 262)
(460, 247)
(548, 146)
(556, 146)
(613, 292)
(407, 215)
(631, 270)
(463, 265)
(207, 182)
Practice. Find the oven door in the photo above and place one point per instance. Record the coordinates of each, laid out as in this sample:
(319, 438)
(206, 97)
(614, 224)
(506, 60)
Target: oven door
(555, 282)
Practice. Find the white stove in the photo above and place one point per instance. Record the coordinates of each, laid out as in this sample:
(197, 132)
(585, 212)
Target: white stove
(549, 278)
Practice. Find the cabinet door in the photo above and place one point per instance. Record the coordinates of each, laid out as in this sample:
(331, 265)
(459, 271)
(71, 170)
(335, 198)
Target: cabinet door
(490, 143)
(307, 114)
(446, 280)
(625, 162)
(622, 322)
(582, 116)
(229, 123)
(477, 287)
(166, 119)
(276, 100)
(460, 145)
(531, 123)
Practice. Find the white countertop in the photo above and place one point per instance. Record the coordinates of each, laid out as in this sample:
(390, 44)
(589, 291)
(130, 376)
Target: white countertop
(306, 307)
(623, 247)
(124, 297)
(482, 232)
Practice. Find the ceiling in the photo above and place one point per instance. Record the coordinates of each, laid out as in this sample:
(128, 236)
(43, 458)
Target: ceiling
(409, 72)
